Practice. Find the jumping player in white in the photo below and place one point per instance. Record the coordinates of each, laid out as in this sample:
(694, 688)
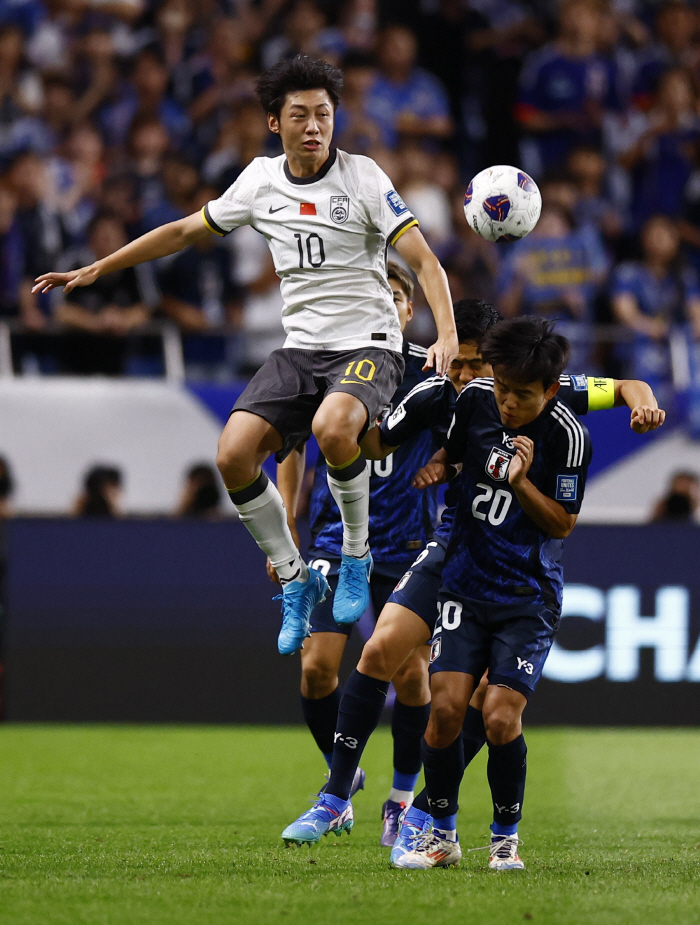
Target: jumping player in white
(328, 218)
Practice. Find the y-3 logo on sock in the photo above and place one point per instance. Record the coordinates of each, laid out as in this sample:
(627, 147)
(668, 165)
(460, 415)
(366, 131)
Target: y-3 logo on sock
(524, 664)
(507, 809)
(346, 740)
(439, 804)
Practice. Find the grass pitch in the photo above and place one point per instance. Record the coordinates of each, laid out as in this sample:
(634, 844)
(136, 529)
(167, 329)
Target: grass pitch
(128, 825)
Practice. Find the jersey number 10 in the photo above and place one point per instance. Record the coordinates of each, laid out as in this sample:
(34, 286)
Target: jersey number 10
(315, 252)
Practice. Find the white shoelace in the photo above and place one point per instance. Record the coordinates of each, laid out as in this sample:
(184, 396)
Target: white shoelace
(501, 845)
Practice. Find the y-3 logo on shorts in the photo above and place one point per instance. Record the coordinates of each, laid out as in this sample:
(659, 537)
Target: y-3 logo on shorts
(523, 664)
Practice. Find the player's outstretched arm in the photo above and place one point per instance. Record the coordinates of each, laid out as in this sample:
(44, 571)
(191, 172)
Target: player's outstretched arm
(645, 413)
(168, 239)
(414, 249)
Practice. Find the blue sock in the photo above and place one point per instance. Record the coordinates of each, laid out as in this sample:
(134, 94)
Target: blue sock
(504, 830)
(445, 825)
(407, 728)
(321, 717)
(404, 781)
(358, 716)
(506, 770)
(336, 802)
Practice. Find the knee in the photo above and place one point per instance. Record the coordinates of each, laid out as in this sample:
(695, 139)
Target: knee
(375, 661)
(233, 462)
(446, 719)
(412, 684)
(334, 438)
(318, 679)
(502, 725)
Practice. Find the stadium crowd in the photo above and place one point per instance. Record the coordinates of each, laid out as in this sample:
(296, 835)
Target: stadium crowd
(119, 115)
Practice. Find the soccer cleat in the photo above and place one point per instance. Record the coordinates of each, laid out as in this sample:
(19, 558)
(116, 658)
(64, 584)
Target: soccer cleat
(351, 597)
(298, 600)
(429, 850)
(503, 853)
(328, 814)
(413, 823)
(390, 822)
(358, 783)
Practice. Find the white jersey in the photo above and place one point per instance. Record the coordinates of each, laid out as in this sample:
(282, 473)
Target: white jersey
(328, 236)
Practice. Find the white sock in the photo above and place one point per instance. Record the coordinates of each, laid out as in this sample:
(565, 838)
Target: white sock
(352, 498)
(266, 520)
(401, 796)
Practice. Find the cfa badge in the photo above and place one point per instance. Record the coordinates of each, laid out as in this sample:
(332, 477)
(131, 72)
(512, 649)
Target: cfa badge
(340, 209)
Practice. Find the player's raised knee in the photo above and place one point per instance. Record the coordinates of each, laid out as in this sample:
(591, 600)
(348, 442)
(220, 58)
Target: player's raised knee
(318, 678)
(502, 724)
(377, 661)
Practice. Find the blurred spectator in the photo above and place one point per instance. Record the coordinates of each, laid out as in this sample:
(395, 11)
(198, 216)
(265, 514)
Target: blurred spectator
(146, 146)
(76, 177)
(593, 206)
(180, 181)
(101, 315)
(565, 88)
(356, 128)
(243, 137)
(199, 295)
(556, 271)
(20, 96)
(470, 261)
(681, 501)
(660, 148)
(405, 99)
(146, 95)
(424, 197)
(6, 489)
(651, 296)
(305, 32)
(675, 31)
(201, 494)
(101, 494)
(15, 298)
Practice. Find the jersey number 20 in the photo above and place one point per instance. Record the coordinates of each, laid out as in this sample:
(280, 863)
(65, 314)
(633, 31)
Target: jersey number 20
(500, 502)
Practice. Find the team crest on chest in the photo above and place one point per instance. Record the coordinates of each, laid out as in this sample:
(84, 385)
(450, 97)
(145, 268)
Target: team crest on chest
(497, 464)
(340, 209)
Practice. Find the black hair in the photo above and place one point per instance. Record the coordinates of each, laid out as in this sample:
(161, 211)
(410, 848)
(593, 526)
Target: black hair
(473, 318)
(299, 73)
(94, 501)
(396, 271)
(6, 480)
(527, 350)
(207, 494)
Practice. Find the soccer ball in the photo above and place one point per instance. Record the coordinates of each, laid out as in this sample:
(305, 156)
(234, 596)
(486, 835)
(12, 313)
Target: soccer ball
(502, 204)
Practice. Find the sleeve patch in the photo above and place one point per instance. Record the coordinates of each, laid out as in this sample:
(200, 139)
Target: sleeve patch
(579, 383)
(397, 416)
(567, 488)
(396, 203)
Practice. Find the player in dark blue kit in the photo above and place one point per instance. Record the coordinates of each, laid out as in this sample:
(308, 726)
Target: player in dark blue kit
(524, 458)
(402, 520)
(408, 619)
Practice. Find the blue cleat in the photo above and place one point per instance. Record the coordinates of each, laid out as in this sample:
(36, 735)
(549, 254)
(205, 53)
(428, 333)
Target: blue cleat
(391, 814)
(298, 600)
(352, 594)
(413, 825)
(358, 783)
(328, 814)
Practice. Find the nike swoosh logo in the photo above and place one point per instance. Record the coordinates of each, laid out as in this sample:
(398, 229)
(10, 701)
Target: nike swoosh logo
(272, 211)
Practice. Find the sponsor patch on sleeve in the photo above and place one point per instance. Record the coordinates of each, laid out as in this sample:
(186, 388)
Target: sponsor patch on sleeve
(397, 416)
(567, 488)
(396, 203)
(580, 383)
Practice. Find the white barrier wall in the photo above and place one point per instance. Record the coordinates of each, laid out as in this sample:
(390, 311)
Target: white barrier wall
(53, 430)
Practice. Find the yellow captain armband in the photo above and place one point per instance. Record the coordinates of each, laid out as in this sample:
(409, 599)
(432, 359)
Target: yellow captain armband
(601, 394)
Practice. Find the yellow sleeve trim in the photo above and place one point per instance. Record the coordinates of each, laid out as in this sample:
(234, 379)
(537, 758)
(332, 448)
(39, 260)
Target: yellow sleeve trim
(213, 230)
(601, 394)
(403, 230)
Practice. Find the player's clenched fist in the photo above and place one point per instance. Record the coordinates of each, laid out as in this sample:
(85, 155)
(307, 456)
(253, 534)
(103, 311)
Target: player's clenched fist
(85, 276)
(521, 462)
(645, 418)
(434, 473)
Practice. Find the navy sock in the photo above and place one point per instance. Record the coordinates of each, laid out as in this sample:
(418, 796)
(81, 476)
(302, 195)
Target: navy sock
(506, 769)
(358, 716)
(407, 728)
(443, 769)
(473, 734)
(321, 716)
(420, 801)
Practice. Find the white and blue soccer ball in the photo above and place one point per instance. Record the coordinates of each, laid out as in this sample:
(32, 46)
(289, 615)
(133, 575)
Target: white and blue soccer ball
(502, 204)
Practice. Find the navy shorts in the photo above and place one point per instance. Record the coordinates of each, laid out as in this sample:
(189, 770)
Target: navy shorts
(511, 640)
(380, 587)
(418, 588)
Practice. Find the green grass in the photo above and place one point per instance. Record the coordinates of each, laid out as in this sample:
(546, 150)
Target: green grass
(128, 825)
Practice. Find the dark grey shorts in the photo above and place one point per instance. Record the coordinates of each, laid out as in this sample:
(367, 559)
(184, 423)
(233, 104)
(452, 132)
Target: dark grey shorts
(288, 389)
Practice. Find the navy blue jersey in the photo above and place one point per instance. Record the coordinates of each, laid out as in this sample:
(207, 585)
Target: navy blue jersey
(496, 552)
(401, 518)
